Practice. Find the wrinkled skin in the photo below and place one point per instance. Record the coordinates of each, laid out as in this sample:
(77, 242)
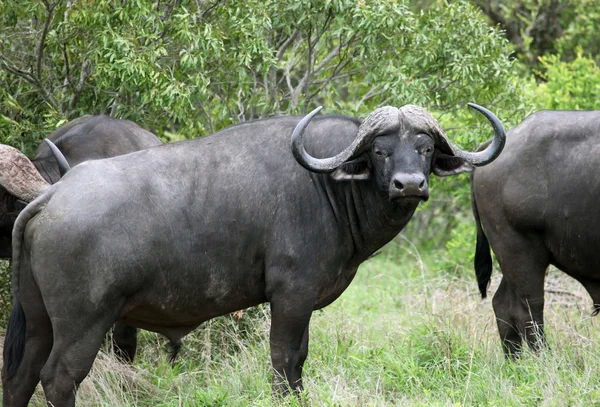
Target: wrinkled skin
(167, 238)
(86, 138)
(537, 205)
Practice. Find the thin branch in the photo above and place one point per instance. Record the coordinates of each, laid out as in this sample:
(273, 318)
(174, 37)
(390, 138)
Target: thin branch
(288, 68)
(210, 9)
(286, 45)
(208, 117)
(242, 111)
(42, 43)
(115, 105)
(309, 63)
(67, 66)
(374, 91)
(332, 54)
(340, 76)
(83, 76)
(326, 24)
(340, 66)
(8, 65)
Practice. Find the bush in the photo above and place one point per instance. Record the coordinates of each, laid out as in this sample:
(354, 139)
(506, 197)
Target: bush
(571, 85)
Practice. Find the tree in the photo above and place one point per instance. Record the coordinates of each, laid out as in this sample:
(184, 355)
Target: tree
(196, 66)
(542, 27)
(571, 85)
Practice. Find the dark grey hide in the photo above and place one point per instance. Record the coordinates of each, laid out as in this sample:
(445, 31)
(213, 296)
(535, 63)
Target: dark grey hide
(167, 238)
(538, 206)
(86, 138)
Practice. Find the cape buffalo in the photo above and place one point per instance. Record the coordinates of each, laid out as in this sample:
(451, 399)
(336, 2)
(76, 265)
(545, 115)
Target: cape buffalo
(167, 238)
(537, 206)
(86, 138)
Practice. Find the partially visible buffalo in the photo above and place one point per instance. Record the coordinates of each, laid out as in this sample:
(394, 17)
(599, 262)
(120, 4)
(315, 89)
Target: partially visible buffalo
(86, 138)
(167, 238)
(536, 205)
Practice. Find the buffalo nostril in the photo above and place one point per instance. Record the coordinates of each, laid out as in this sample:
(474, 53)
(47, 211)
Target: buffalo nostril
(422, 184)
(398, 185)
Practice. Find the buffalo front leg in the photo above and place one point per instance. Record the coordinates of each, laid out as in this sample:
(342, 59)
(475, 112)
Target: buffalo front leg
(124, 340)
(290, 316)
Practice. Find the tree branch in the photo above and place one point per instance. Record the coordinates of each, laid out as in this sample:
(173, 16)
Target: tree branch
(288, 69)
(286, 44)
(115, 105)
(42, 42)
(374, 91)
(513, 31)
(340, 65)
(210, 9)
(67, 66)
(332, 54)
(9, 66)
(83, 76)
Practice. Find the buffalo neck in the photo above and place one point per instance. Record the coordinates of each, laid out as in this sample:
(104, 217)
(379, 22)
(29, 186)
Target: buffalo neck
(368, 218)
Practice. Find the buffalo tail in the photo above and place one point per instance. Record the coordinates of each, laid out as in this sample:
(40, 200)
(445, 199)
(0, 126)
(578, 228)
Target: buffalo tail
(14, 342)
(483, 256)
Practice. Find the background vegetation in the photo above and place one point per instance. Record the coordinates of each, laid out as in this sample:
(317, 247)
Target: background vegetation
(410, 330)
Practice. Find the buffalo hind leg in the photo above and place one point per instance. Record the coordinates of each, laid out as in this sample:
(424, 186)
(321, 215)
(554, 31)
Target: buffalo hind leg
(76, 344)
(592, 286)
(124, 340)
(290, 316)
(18, 389)
(507, 326)
(519, 300)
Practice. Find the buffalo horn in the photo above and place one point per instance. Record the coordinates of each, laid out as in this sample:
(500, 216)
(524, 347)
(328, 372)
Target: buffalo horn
(63, 165)
(19, 176)
(380, 121)
(493, 150)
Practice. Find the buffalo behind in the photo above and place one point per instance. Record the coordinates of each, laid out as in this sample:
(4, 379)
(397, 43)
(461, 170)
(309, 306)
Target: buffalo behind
(537, 205)
(86, 138)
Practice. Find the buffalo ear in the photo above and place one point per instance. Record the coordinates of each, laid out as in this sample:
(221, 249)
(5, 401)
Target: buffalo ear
(355, 170)
(446, 165)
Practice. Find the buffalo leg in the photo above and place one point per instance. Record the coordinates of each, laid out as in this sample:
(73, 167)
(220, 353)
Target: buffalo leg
(507, 326)
(76, 344)
(18, 389)
(592, 286)
(124, 339)
(290, 316)
(519, 301)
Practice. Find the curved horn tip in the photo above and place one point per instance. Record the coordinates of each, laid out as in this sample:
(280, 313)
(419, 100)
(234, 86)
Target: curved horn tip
(315, 111)
(63, 164)
(488, 113)
(480, 108)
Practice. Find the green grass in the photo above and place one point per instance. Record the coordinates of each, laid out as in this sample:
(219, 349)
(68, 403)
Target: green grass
(403, 334)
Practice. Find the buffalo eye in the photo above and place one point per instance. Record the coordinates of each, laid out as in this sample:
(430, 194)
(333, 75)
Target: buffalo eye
(428, 150)
(379, 153)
